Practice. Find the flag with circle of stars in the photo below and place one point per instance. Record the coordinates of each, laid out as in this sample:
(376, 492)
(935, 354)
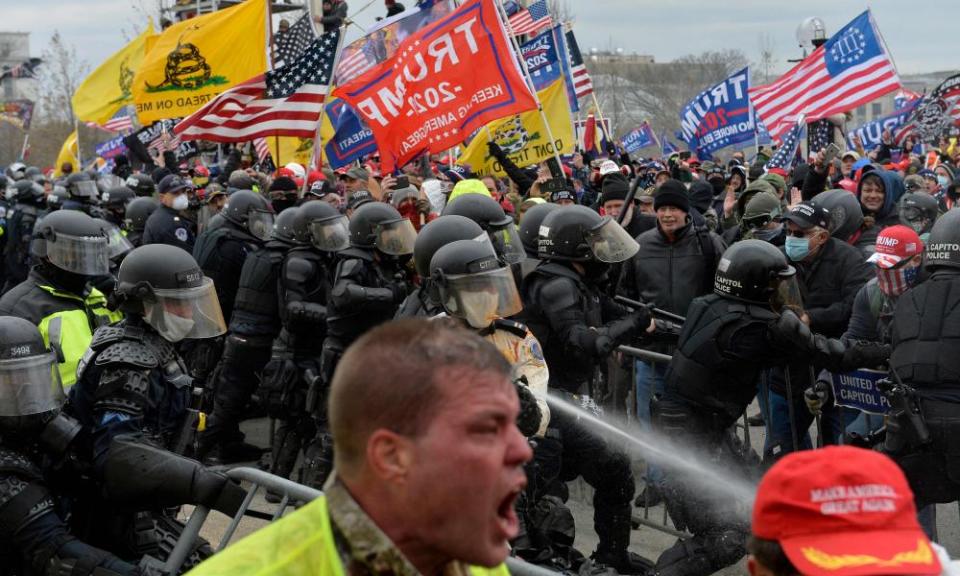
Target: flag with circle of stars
(292, 43)
(314, 66)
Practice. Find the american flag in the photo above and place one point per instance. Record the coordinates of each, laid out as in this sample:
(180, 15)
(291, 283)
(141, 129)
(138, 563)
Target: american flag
(787, 152)
(25, 69)
(292, 43)
(582, 84)
(530, 20)
(166, 142)
(357, 58)
(262, 147)
(821, 135)
(851, 69)
(904, 97)
(282, 102)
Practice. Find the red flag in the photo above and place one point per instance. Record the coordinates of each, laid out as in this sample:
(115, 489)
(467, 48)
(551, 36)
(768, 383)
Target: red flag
(590, 133)
(443, 82)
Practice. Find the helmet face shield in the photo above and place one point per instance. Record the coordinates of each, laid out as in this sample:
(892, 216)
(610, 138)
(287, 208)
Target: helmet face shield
(85, 255)
(260, 224)
(610, 243)
(30, 385)
(330, 234)
(117, 243)
(85, 189)
(786, 295)
(396, 238)
(483, 297)
(185, 312)
(506, 241)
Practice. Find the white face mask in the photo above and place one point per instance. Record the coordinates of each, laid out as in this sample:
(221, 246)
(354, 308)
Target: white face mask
(480, 308)
(175, 327)
(180, 202)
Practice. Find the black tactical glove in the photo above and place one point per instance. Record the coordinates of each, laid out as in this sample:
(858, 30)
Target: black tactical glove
(641, 319)
(494, 149)
(862, 354)
(528, 421)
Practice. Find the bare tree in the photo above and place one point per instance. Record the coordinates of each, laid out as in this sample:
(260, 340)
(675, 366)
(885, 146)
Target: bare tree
(634, 90)
(767, 60)
(560, 11)
(61, 74)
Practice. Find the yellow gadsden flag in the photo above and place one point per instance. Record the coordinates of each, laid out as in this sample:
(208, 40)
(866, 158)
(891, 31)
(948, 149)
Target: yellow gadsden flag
(68, 153)
(523, 136)
(197, 59)
(291, 149)
(108, 88)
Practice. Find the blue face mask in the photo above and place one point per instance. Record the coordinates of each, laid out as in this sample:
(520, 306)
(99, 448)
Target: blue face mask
(797, 248)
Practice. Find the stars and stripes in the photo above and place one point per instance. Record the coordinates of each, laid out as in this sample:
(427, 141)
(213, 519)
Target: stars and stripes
(262, 148)
(904, 97)
(786, 154)
(582, 84)
(821, 135)
(292, 43)
(531, 19)
(851, 69)
(286, 101)
(26, 69)
(357, 59)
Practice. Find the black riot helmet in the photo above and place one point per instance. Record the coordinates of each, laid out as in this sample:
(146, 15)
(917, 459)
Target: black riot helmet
(577, 233)
(757, 272)
(250, 211)
(943, 247)
(439, 233)
(117, 197)
(379, 225)
(16, 170)
(34, 173)
(138, 210)
(57, 197)
(165, 286)
(486, 212)
(473, 284)
(141, 184)
(321, 225)
(530, 226)
(918, 210)
(30, 390)
(846, 214)
(29, 192)
(283, 226)
(72, 241)
(117, 244)
(82, 187)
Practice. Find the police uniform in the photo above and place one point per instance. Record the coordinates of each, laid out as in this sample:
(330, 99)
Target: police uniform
(17, 250)
(61, 315)
(167, 226)
(521, 348)
(330, 536)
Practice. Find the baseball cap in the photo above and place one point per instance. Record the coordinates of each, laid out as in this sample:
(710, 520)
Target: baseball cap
(171, 183)
(842, 511)
(358, 173)
(895, 243)
(608, 167)
(850, 154)
(358, 198)
(808, 214)
(456, 173)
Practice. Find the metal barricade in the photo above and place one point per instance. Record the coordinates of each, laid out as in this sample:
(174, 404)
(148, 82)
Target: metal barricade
(290, 492)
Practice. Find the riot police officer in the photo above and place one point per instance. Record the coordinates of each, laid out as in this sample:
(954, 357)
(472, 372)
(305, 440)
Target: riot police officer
(292, 383)
(132, 380)
(253, 326)
(749, 323)
(70, 248)
(34, 539)
(114, 203)
(135, 218)
(922, 429)
(83, 193)
(167, 225)
(370, 280)
(424, 300)
(16, 254)
(530, 235)
(486, 212)
(579, 325)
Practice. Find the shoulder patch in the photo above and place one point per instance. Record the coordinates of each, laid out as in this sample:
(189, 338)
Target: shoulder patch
(181, 234)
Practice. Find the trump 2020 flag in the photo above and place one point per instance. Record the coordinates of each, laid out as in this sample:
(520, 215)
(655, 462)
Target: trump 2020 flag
(638, 138)
(851, 69)
(444, 82)
(719, 116)
(543, 61)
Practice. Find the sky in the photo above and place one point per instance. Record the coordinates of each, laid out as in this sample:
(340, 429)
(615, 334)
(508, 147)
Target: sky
(921, 35)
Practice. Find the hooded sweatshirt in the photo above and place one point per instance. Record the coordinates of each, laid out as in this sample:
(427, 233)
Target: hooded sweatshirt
(873, 223)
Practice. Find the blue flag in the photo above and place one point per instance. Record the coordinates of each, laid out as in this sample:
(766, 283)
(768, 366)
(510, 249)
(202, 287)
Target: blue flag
(720, 115)
(787, 153)
(542, 59)
(871, 133)
(352, 138)
(638, 138)
(667, 147)
(560, 41)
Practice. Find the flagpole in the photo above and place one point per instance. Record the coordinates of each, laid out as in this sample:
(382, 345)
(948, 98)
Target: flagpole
(23, 149)
(76, 128)
(526, 72)
(603, 129)
(276, 148)
(317, 144)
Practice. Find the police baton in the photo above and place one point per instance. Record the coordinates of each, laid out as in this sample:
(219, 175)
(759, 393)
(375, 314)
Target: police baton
(653, 310)
(628, 201)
